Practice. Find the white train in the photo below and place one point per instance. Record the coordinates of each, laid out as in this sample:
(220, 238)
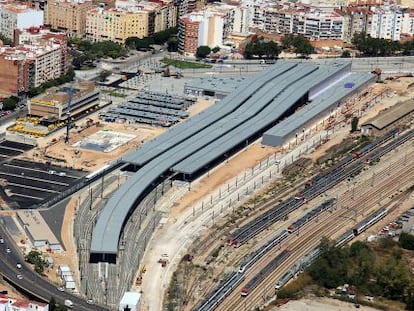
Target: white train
(364, 225)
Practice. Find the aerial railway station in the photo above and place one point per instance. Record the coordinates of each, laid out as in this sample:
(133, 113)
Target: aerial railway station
(286, 95)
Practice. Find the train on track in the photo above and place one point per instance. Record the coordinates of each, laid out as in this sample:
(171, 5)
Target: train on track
(310, 215)
(269, 268)
(368, 222)
(349, 166)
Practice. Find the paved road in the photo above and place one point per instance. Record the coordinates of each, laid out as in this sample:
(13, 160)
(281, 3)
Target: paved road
(31, 281)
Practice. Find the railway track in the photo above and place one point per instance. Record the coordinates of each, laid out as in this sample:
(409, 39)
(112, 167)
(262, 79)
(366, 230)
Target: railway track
(402, 175)
(321, 183)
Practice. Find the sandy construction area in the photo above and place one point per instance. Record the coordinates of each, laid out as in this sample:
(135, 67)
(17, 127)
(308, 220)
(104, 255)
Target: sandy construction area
(320, 304)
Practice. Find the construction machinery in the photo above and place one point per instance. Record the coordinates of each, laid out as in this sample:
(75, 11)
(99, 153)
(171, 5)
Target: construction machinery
(68, 123)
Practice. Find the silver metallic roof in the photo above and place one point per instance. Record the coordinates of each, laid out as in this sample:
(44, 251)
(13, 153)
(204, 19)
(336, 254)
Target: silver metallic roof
(259, 99)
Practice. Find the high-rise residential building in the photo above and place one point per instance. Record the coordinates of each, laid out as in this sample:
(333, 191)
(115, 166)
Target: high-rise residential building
(68, 16)
(209, 27)
(118, 24)
(188, 29)
(407, 26)
(356, 19)
(186, 7)
(129, 19)
(40, 56)
(386, 22)
(308, 21)
(18, 16)
(165, 14)
(377, 20)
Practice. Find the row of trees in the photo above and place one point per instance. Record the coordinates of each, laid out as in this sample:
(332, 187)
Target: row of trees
(369, 46)
(360, 266)
(167, 36)
(55, 82)
(261, 48)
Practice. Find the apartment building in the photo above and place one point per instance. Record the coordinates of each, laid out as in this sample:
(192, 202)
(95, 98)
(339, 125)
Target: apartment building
(165, 14)
(308, 21)
(35, 61)
(377, 20)
(186, 7)
(210, 27)
(129, 19)
(407, 26)
(188, 28)
(356, 19)
(386, 22)
(118, 24)
(18, 16)
(68, 16)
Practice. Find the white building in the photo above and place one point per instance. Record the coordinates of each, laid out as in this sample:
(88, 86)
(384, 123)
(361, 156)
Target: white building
(408, 22)
(10, 304)
(66, 275)
(36, 227)
(132, 300)
(386, 23)
(310, 22)
(18, 16)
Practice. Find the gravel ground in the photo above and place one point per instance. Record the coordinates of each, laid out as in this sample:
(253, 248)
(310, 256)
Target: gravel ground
(320, 304)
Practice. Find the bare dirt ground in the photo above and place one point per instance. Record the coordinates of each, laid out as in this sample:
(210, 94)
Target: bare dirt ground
(242, 161)
(90, 160)
(320, 304)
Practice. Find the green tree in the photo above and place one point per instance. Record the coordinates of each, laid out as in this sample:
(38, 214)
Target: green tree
(374, 46)
(302, 46)
(287, 41)
(5, 40)
(35, 258)
(354, 124)
(203, 51)
(215, 49)
(406, 241)
(408, 48)
(103, 75)
(393, 278)
(330, 270)
(260, 47)
(410, 303)
(172, 45)
(346, 54)
(10, 103)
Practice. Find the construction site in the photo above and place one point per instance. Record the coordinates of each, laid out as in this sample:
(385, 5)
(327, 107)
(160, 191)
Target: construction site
(89, 143)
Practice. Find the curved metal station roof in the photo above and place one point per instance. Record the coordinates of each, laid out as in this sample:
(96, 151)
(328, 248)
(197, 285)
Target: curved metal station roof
(330, 97)
(205, 137)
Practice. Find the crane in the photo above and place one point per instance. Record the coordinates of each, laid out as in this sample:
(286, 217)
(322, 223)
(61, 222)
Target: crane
(70, 93)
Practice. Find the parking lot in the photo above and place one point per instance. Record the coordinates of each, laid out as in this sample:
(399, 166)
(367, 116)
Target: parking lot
(26, 183)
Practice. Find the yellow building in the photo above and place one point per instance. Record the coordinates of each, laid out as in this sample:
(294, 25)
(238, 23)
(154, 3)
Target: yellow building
(68, 15)
(117, 24)
(130, 19)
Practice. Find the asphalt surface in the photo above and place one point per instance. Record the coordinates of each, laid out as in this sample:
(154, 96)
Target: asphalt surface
(54, 218)
(30, 183)
(31, 281)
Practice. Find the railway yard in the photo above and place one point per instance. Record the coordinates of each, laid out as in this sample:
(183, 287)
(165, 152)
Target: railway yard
(228, 235)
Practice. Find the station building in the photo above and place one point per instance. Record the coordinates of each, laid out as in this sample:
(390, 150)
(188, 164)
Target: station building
(38, 231)
(53, 106)
(389, 119)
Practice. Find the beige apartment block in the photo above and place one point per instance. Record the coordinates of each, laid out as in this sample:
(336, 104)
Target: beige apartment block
(68, 15)
(118, 24)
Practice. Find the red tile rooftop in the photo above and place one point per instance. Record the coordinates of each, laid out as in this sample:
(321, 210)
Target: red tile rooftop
(21, 303)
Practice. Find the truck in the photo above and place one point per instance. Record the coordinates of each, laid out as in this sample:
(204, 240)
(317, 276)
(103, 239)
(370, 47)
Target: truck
(68, 303)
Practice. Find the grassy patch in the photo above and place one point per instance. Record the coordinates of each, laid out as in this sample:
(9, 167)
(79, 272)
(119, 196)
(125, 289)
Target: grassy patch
(183, 64)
